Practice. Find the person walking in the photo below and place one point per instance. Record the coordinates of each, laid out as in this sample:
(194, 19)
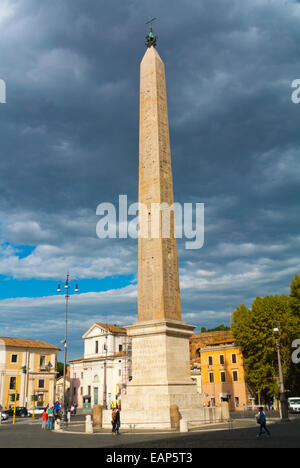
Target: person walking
(262, 421)
(50, 413)
(114, 421)
(56, 409)
(44, 420)
(118, 421)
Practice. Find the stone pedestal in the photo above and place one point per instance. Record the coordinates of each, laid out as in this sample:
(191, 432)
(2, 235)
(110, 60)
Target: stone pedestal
(161, 375)
(97, 416)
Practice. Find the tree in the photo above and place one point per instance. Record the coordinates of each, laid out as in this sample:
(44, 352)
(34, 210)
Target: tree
(253, 330)
(60, 369)
(295, 295)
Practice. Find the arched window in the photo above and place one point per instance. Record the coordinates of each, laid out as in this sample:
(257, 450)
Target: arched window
(198, 353)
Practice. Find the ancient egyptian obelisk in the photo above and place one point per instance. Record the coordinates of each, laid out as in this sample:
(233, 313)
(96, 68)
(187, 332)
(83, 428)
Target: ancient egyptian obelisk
(160, 340)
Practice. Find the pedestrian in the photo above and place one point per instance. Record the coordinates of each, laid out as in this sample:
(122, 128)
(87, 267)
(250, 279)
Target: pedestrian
(69, 415)
(118, 421)
(44, 420)
(56, 409)
(261, 420)
(50, 413)
(114, 421)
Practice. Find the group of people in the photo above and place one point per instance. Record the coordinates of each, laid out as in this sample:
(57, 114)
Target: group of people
(51, 414)
(48, 418)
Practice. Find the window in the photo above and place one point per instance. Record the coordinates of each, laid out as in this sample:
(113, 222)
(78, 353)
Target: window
(211, 377)
(41, 383)
(222, 359)
(198, 354)
(97, 347)
(120, 348)
(81, 391)
(235, 376)
(89, 390)
(42, 362)
(120, 372)
(237, 401)
(210, 360)
(223, 376)
(12, 383)
(233, 358)
(14, 358)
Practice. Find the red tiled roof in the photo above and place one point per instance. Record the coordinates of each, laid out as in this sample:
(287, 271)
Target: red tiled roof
(112, 328)
(210, 338)
(22, 343)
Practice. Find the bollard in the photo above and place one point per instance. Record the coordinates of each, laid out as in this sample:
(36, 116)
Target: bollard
(225, 414)
(57, 425)
(89, 424)
(183, 423)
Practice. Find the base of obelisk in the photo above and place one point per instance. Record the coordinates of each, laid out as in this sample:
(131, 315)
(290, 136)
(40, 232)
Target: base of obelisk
(161, 377)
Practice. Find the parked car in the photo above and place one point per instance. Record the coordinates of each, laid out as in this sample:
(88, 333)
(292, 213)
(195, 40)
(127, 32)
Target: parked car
(21, 412)
(4, 417)
(294, 404)
(37, 411)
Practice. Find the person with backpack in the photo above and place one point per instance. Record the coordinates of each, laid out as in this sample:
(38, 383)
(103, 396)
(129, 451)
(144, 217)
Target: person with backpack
(261, 420)
(50, 413)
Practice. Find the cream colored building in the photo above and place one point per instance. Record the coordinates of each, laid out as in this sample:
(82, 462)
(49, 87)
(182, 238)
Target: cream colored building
(106, 358)
(60, 387)
(40, 360)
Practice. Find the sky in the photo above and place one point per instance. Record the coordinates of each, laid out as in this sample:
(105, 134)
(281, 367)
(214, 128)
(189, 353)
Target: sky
(69, 141)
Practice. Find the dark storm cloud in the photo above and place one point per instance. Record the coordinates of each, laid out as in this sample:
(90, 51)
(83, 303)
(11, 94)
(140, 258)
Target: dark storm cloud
(69, 138)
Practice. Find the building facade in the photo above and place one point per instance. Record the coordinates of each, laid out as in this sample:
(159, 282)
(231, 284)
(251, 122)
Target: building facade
(60, 387)
(217, 360)
(40, 360)
(104, 370)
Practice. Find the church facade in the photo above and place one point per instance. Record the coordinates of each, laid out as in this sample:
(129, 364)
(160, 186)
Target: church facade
(102, 374)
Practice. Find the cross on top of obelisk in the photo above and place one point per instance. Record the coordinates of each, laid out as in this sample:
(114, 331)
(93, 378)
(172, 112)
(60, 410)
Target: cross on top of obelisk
(151, 39)
(150, 22)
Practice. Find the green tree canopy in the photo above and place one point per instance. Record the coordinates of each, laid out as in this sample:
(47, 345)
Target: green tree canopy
(253, 330)
(295, 295)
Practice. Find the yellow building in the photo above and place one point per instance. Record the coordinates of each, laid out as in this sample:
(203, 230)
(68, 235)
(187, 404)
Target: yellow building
(219, 360)
(40, 360)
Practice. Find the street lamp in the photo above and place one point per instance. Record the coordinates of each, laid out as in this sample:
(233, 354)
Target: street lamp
(283, 400)
(64, 342)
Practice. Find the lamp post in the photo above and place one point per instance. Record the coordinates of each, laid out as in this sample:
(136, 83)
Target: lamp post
(283, 401)
(105, 374)
(67, 296)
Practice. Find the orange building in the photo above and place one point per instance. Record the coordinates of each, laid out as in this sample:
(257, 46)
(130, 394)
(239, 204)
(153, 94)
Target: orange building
(40, 360)
(217, 360)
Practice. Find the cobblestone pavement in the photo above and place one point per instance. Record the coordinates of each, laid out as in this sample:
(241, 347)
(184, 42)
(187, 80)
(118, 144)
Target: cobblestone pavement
(243, 435)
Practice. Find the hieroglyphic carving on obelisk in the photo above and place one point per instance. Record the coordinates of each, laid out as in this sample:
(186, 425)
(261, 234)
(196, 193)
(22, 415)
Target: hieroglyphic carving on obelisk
(158, 278)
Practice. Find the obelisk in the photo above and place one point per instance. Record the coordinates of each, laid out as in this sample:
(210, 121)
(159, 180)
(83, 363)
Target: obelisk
(160, 340)
(158, 279)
